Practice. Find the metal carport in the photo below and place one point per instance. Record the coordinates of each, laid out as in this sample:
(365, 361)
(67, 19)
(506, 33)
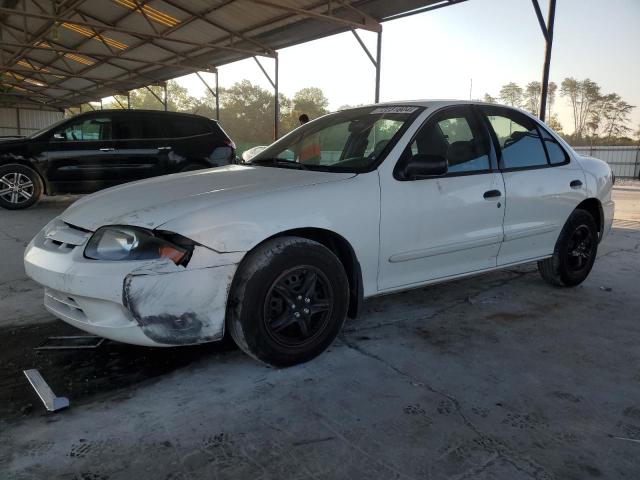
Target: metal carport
(62, 53)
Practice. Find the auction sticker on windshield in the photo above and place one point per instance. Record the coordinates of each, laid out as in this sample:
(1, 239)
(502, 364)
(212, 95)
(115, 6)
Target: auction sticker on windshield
(394, 110)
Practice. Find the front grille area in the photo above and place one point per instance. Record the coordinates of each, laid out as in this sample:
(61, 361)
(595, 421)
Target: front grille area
(63, 305)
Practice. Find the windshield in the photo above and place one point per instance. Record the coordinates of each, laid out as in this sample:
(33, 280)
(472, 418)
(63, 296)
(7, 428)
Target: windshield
(347, 141)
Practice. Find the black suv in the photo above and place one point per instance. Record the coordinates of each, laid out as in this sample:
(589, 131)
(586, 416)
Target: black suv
(103, 148)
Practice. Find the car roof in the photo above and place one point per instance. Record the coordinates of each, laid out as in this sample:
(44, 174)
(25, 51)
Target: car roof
(434, 103)
(440, 103)
(133, 111)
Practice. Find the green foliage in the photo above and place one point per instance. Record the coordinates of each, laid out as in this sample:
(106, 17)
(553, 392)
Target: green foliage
(532, 93)
(489, 99)
(511, 94)
(598, 119)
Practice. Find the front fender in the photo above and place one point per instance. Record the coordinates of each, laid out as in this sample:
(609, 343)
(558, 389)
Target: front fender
(349, 207)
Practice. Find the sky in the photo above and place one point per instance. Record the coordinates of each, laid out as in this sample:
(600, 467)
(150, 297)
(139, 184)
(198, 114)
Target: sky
(436, 55)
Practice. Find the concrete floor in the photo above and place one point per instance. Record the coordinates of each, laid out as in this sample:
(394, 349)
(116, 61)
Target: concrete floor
(494, 377)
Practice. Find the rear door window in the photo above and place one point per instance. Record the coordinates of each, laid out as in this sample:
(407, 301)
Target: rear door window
(128, 127)
(518, 137)
(89, 129)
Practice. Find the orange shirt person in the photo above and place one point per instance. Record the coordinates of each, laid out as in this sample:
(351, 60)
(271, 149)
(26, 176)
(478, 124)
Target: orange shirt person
(309, 147)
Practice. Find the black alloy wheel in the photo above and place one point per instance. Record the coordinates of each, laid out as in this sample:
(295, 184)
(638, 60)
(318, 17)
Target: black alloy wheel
(298, 306)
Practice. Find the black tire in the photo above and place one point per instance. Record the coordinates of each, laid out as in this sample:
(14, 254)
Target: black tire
(287, 264)
(574, 253)
(20, 186)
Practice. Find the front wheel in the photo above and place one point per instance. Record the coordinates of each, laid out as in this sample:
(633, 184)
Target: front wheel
(574, 253)
(288, 301)
(20, 186)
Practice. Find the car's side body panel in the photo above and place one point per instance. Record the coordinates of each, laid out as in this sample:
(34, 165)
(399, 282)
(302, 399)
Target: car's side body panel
(538, 203)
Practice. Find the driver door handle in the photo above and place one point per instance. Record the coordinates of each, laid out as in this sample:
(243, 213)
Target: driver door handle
(164, 148)
(106, 149)
(492, 194)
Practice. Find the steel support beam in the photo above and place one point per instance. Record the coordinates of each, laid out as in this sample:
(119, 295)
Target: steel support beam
(374, 60)
(213, 93)
(155, 95)
(115, 97)
(378, 64)
(547, 31)
(166, 97)
(217, 97)
(274, 83)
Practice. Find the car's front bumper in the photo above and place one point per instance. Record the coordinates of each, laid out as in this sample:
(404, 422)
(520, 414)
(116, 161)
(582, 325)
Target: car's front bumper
(151, 303)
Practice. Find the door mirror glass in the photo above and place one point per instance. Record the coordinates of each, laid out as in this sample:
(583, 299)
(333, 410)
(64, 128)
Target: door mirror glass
(59, 136)
(423, 165)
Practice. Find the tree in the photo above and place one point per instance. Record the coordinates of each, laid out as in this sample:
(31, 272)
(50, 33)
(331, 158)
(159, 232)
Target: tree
(489, 99)
(310, 100)
(246, 112)
(554, 123)
(616, 117)
(511, 94)
(178, 99)
(551, 97)
(583, 96)
(532, 93)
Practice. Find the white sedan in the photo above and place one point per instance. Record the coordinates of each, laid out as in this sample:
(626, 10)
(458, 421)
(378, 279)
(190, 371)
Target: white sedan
(358, 203)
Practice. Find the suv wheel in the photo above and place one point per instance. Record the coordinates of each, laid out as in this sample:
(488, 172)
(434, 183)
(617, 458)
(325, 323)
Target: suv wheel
(288, 301)
(20, 186)
(574, 253)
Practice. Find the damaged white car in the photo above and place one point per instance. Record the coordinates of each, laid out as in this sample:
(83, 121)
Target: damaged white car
(358, 203)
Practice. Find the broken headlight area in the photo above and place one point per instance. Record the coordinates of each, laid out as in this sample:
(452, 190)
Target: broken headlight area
(119, 243)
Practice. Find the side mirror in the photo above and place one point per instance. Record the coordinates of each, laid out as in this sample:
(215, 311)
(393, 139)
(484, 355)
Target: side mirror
(60, 136)
(252, 152)
(423, 165)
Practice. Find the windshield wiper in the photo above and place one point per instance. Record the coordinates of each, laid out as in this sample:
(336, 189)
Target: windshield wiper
(278, 162)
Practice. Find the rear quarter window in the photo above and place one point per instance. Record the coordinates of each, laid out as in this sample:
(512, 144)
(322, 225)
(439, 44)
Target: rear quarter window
(557, 154)
(187, 127)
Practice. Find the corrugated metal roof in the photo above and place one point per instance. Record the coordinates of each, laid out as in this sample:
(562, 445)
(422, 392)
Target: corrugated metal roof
(73, 51)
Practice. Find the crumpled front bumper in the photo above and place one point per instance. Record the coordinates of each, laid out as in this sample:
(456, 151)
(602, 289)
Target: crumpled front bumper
(151, 302)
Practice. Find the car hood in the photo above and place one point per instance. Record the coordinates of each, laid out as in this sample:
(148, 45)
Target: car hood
(7, 143)
(152, 202)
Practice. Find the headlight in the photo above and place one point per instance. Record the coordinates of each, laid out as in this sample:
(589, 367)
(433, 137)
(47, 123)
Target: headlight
(116, 243)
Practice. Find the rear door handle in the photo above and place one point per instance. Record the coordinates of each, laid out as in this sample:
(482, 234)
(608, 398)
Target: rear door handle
(492, 194)
(575, 184)
(107, 149)
(164, 148)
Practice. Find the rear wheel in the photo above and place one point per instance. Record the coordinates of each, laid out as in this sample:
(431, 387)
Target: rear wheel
(288, 302)
(20, 186)
(575, 252)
